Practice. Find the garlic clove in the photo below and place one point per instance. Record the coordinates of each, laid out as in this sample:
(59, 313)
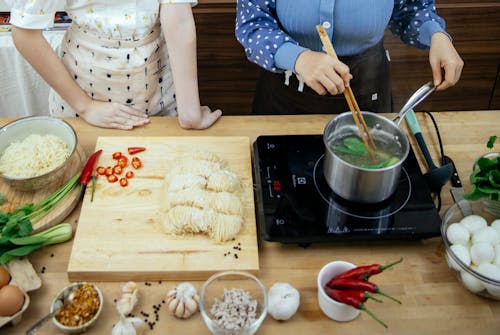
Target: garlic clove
(191, 306)
(179, 311)
(172, 305)
(126, 327)
(128, 300)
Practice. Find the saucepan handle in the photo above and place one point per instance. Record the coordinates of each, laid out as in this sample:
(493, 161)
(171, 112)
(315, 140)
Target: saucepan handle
(417, 97)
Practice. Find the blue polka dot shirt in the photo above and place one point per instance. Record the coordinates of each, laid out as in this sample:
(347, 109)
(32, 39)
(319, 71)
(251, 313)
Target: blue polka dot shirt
(275, 32)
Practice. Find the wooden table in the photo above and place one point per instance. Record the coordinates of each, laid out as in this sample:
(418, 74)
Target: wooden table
(434, 302)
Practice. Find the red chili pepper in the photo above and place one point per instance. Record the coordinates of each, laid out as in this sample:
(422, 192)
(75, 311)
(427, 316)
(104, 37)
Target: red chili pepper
(123, 182)
(129, 174)
(117, 155)
(117, 169)
(355, 299)
(87, 172)
(357, 284)
(112, 178)
(101, 170)
(136, 162)
(135, 150)
(108, 171)
(89, 168)
(366, 271)
(123, 161)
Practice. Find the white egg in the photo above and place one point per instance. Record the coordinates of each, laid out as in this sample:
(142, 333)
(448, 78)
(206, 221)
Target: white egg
(473, 223)
(486, 234)
(457, 234)
(462, 253)
(470, 282)
(496, 261)
(482, 252)
(492, 272)
(496, 224)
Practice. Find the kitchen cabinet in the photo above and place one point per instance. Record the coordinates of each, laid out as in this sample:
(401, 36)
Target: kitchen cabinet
(227, 78)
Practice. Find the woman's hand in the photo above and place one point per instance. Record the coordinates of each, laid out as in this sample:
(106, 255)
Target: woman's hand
(201, 119)
(445, 62)
(322, 72)
(113, 115)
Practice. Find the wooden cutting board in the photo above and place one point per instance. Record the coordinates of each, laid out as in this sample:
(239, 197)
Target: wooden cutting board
(119, 235)
(14, 198)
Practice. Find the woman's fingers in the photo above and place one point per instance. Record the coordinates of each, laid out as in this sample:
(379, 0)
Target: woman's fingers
(322, 72)
(445, 62)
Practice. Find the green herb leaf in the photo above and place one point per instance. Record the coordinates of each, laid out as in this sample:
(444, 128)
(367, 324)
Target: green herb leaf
(2, 199)
(491, 142)
(355, 145)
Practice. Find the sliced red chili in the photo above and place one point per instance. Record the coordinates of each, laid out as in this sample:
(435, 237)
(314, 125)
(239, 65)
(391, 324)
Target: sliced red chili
(108, 171)
(101, 170)
(123, 182)
(136, 162)
(123, 161)
(112, 178)
(135, 150)
(117, 169)
(117, 155)
(129, 174)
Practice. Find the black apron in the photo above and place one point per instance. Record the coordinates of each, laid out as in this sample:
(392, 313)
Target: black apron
(371, 85)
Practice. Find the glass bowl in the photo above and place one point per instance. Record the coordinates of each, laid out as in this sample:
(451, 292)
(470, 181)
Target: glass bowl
(19, 129)
(83, 298)
(233, 302)
(482, 279)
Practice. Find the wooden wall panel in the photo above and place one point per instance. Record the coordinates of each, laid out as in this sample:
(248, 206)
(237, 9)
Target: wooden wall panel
(227, 78)
(495, 99)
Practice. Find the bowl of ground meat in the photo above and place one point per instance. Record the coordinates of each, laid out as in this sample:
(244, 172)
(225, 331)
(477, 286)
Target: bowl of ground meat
(35, 152)
(233, 302)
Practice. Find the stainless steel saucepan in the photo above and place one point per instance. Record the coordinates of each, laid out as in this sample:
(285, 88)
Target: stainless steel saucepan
(368, 185)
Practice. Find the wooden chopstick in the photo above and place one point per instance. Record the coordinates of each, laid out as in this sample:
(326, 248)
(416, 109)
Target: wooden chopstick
(349, 96)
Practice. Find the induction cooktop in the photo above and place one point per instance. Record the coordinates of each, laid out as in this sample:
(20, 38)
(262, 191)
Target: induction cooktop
(294, 203)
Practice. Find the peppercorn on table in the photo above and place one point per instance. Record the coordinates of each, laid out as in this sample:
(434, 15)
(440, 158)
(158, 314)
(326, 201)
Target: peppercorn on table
(433, 301)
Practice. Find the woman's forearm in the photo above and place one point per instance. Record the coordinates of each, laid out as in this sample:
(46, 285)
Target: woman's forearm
(38, 52)
(180, 34)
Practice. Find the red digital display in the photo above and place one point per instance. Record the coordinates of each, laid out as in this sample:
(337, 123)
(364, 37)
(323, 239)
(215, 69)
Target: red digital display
(276, 185)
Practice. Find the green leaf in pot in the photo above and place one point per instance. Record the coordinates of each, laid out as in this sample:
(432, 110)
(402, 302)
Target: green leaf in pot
(355, 145)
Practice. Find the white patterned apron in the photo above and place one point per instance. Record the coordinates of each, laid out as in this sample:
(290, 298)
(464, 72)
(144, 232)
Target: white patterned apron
(134, 72)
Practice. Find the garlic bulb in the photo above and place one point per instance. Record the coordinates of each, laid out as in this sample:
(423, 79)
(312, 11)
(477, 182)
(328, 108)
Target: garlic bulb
(284, 301)
(128, 300)
(129, 326)
(182, 302)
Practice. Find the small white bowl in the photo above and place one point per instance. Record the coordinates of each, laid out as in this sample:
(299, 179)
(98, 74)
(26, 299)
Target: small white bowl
(334, 309)
(58, 301)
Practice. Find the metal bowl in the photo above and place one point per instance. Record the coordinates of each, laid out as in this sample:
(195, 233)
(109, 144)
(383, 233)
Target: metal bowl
(59, 300)
(42, 125)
